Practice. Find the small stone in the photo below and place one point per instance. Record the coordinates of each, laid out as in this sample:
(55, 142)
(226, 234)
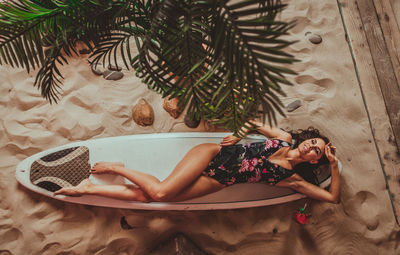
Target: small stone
(114, 67)
(112, 75)
(275, 230)
(143, 113)
(106, 73)
(293, 105)
(98, 69)
(369, 140)
(314, 38)
(192, 123)
(124, 224)
(171, 106)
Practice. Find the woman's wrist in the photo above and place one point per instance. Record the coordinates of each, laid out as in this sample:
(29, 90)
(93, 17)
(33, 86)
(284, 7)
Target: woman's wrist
(257, 126)
(333, 163)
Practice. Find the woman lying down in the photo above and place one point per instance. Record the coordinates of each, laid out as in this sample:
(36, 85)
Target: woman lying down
(210, 167)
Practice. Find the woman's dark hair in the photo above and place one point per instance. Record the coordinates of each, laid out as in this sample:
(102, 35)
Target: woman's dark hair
(307, 170)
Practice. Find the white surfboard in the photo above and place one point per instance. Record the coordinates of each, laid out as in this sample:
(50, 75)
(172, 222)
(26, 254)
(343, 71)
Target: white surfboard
(156, 154)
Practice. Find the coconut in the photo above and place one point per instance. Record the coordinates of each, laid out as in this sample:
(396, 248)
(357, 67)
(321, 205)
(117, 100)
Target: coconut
(143, 113)
(171, 106)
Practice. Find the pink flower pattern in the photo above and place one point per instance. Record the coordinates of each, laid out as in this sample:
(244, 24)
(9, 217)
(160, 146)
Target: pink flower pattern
(271, 144)
(245, 166)
(232, 181)
(255, 178)
(248, 163)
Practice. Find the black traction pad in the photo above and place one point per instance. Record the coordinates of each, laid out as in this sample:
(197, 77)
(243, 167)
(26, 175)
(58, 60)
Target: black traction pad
(61, 169)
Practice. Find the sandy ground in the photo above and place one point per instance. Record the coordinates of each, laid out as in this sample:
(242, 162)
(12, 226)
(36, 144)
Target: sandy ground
(91, 107)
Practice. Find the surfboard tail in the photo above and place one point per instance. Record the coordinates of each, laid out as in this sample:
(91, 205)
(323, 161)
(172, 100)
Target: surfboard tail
(60, 169)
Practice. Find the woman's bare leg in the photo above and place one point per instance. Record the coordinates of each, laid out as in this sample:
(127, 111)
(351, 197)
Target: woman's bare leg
(112, 167)
(186, 172)
(123, 192)
(200, 187)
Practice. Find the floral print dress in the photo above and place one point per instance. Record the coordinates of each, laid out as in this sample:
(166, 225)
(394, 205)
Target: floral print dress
(248, 163)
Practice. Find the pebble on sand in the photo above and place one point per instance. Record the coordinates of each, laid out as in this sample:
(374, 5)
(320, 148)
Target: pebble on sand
(112, 75)
(143, 113)
(98, 69)
(114, 68)
(293, 105)
(171, 106)
(314, 38)
(192, 123)
(124, 224)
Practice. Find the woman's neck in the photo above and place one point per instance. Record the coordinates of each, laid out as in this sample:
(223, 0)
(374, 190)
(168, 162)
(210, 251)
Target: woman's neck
(294, 158)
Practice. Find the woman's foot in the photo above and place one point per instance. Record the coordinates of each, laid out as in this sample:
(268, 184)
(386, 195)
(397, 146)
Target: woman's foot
(76, 191)
(105, 167)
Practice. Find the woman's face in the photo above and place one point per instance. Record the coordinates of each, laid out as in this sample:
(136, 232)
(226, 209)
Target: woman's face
(312, 149)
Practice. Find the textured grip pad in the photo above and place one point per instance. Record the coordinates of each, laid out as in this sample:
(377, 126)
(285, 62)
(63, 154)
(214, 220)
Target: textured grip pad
(60, 169)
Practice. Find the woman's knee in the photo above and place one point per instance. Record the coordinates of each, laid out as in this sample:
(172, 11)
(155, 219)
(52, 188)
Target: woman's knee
(156, 193)
(162, 196)
(144, 197)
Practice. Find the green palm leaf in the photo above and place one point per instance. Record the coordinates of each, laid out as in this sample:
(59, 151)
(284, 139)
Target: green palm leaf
(223, 60)
(241, 40)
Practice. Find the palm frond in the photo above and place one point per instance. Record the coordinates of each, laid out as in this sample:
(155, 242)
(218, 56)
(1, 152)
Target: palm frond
(131, 23)
(48, 79)
(223, 59)
(240, 68)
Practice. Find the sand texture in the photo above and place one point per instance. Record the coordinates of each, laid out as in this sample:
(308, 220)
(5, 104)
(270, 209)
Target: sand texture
(92, 107)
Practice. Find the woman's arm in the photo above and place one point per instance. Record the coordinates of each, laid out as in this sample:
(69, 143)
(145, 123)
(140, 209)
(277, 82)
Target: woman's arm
(263, 129)
(310, 190)
(272, 132)
(313, 191)
(300, 185)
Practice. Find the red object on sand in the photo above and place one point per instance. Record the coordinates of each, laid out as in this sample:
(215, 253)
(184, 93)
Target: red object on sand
(301, 216)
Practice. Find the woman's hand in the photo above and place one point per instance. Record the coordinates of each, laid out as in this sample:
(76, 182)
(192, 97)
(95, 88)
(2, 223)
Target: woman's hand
(230, 140)
(330, 152)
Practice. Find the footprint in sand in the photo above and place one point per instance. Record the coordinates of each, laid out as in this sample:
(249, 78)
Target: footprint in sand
(362, 208)
(310, 86)
(12, 235)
